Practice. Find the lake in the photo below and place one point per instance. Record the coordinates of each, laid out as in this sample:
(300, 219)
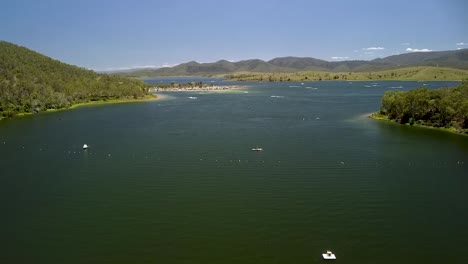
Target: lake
(175, 181)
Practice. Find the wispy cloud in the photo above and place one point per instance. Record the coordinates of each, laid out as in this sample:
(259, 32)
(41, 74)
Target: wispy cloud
(461, 44)
(128, 68)
(374, 48)
(339, 58)
(418, 50)
(405, 44)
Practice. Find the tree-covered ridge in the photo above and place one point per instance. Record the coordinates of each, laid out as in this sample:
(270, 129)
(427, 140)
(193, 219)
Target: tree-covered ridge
(444, 107)
(32, 82)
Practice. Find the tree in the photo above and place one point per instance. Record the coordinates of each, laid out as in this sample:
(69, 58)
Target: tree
(444, 107)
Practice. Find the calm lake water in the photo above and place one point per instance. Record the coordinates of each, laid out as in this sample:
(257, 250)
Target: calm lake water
(175, 180)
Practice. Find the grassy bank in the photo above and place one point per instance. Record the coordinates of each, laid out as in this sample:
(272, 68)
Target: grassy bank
(422, 73)
(94, 103)
(112, 101)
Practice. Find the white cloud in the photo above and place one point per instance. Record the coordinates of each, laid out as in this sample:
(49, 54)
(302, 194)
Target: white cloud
(459, 48)
(131, 68)
(405, 44)
(339, 58)
(374, 48)
(418, 50)
(461, 44)
(128, 68)
(167, 65)
(369, 53)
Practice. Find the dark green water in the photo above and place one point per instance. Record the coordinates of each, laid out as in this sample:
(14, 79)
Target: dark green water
(175, 181)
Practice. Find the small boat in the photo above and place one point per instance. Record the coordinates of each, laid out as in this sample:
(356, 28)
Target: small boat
(329, 255)
(85, 146)
(193, 97)
(257, 149)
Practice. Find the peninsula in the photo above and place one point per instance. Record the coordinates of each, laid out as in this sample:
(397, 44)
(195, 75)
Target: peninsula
(191, 86)
(443, 108)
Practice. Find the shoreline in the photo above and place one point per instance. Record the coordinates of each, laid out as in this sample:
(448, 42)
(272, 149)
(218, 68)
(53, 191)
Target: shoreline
(112, 101)
(198, 89)
(379, 117)
(150, 97)
(357, 80)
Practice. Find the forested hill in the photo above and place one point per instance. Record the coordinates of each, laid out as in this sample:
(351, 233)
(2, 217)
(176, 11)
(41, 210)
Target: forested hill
(32, 82)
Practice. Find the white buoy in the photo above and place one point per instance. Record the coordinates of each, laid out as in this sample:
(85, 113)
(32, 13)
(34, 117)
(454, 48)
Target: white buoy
(329, 255)
(85, 146)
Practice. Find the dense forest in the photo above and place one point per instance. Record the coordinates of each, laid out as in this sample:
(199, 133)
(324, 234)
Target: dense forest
(444, 107)
(31, 82)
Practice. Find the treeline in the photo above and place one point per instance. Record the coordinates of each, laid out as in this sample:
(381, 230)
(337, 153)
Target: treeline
(31, 82)
(444, 107)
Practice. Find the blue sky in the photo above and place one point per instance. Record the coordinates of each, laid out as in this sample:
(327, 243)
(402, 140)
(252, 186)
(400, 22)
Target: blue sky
(118, 34)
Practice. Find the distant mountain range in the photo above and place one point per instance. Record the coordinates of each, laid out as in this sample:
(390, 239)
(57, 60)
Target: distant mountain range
(457, 59)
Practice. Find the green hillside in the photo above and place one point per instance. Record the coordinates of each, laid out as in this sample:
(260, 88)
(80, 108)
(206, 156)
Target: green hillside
(421, 73)
(452, 59)
(31, 82)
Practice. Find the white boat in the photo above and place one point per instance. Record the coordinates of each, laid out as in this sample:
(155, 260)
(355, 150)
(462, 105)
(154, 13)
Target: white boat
(85, 146)
(193, 97)
(329, 255)
(257, 149)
